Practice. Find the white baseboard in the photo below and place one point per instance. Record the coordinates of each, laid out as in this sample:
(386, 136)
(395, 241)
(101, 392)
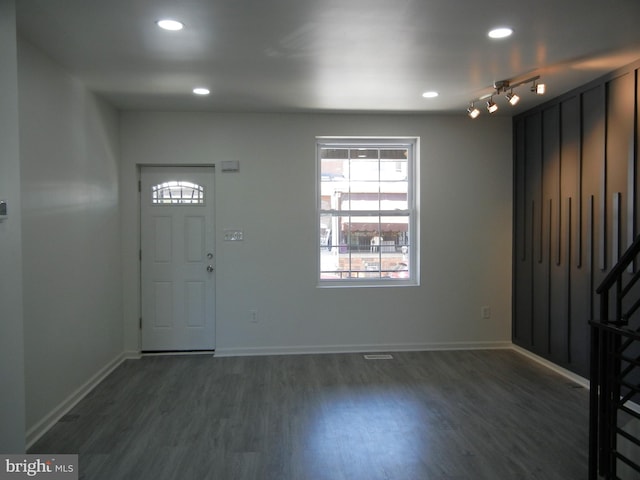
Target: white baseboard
(574, 377)
(394, 347)
(40, 428)
(178, 353)
(132, 355)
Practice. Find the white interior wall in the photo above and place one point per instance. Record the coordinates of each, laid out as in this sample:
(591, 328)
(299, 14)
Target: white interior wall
(12, 409)
(465, 240)
(71, 234)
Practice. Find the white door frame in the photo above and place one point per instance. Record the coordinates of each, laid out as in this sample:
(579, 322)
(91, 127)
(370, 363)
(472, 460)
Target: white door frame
(206, 341)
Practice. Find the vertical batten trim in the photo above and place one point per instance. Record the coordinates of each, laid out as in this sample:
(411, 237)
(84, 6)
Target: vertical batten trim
(541, 232)
(615, 228)
(632, 171)
(559, 191)
(522, 161)
(603, 186)
(541, 190)
(591, 254)
(559, 233)
(548, 279)
(569, 312)
(580, 207)
(602, 244)
(531, 306)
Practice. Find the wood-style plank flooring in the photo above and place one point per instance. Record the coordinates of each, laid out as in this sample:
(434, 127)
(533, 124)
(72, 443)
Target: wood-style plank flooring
(423, 415)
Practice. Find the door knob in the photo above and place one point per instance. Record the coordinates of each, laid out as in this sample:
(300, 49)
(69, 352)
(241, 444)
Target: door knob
(209, 268)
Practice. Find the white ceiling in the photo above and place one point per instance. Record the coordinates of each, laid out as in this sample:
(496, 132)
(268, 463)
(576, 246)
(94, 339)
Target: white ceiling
(329, 55)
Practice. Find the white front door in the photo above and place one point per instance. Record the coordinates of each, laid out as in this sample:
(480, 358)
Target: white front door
(177, 258)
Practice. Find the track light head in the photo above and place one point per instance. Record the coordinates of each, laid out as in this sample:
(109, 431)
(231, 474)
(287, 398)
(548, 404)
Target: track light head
(513, 98)
(538, 88)
(492, 106)
(472, 111)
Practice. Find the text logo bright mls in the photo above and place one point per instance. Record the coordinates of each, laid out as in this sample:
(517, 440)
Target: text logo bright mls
(51, 467)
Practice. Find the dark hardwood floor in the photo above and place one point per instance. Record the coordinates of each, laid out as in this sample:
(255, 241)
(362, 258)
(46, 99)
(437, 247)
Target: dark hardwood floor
(423, 415)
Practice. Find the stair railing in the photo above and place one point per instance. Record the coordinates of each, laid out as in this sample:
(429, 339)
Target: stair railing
(614, 368)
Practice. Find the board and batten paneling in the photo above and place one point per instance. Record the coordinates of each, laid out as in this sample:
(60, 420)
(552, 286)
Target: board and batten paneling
(576, 209)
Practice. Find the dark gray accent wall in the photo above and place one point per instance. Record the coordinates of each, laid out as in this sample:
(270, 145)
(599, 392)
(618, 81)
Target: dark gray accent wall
(576, 209)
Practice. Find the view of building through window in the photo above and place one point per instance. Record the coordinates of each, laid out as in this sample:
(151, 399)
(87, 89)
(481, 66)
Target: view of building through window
(366, 210)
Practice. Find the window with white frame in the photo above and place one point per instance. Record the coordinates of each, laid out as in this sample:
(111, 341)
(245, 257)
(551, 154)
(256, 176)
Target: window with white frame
(367, 211)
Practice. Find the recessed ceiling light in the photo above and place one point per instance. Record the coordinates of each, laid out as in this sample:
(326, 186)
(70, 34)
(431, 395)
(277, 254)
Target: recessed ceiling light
(430, 94)
(501, 32)
(168, 24)
(201, 91)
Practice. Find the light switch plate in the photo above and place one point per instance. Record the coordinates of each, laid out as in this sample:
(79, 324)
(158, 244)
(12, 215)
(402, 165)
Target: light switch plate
(231, 235)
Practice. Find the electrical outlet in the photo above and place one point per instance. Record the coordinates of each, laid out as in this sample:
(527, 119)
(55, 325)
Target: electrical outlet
(253, 316)
(485, 312)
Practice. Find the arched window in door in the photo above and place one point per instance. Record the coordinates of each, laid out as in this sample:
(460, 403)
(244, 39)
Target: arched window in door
(177, 192)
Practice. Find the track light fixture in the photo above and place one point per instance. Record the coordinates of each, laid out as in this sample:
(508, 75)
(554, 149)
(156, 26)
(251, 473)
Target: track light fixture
(502, 87)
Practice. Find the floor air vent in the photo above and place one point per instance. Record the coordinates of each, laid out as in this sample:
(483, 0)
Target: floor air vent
(384, 356)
